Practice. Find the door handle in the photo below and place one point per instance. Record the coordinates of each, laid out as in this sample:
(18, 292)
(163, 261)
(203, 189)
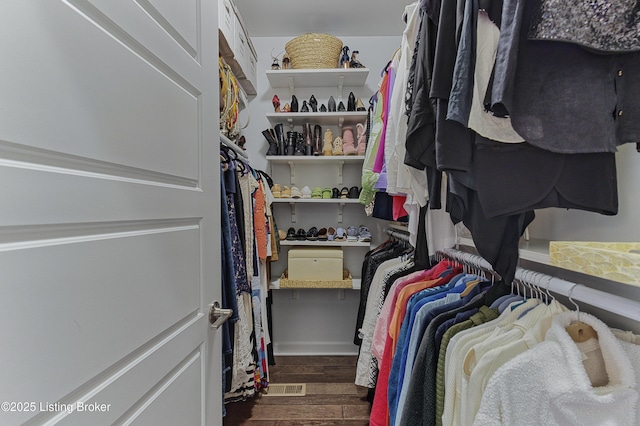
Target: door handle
(218, 315)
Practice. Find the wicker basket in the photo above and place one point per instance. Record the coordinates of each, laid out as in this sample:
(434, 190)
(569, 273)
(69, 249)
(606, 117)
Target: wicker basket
(346, 282)
(314, 51)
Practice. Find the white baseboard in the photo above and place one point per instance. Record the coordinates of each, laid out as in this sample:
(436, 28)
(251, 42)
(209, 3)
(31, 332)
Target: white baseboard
(314, 348)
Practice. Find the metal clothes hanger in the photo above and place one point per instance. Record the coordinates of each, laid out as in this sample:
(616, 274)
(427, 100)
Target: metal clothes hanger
(578, 330)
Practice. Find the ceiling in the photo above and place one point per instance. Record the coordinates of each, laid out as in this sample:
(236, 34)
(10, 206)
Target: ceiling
(355, 18)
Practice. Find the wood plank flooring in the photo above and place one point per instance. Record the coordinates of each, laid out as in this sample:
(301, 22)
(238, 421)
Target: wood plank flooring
(331, 397)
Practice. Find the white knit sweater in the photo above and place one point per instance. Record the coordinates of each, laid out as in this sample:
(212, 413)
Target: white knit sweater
(548, 385)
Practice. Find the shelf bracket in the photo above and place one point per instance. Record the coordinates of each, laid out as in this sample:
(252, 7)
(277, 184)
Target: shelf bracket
(340, 208)
(340, 85)
(291, 86)
(339, 165)
(293, 212)
(292, 170)
(340, 122)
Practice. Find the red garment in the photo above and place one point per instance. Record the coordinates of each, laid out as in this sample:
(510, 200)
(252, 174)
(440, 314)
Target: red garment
(398, 206)
(380, 409)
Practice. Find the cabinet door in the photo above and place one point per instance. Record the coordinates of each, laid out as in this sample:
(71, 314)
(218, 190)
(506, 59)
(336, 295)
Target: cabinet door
(108, 233)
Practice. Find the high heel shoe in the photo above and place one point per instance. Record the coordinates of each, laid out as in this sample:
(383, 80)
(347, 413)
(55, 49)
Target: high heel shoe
(313, 103)
(275, 101)
(341, 107)
(360, 105)
(294, 104)
(304, 107)
(286, 108)
(323, 108)
(351, 102)
(331, 105)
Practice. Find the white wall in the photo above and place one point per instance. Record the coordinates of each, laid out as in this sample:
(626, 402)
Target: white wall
(314, 321)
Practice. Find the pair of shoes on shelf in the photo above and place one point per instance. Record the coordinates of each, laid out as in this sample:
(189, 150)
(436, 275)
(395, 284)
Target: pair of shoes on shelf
(364, 236)
(340, 235)
(286, 192)
(316, 192)
(335, 193)
(326, 192)
(331, 234)
(327, 147)
(354, 192)
(276, 191)
(306, 192)
(352, 234)
(344, 192)
(295, 192)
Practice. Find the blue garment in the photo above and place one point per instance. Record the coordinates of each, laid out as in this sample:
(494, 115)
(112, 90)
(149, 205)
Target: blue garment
(421, 299)
(505, 304)
(399, 403)
(499, 300)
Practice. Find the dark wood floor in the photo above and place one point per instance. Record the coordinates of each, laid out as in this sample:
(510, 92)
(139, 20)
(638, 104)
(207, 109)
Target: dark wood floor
(331, 397)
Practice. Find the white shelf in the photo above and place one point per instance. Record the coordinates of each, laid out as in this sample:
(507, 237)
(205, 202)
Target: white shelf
(534, 250)
(345, 118)
(325, 243)
(330, 77)
(355, 285)
(317, 200)
(324, 159)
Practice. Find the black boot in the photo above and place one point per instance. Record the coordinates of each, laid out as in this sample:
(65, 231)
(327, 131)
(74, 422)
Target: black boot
(299, 144)
(351, 102)
(317, 140)
(308, 139)
(294, 104)
(270, 136)
(305, 107)
(292, 140)
(313, 103)
(280, 138)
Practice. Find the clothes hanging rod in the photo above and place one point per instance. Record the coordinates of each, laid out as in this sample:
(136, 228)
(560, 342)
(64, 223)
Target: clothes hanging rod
(235, 148)
(579, 292)
(398, 234)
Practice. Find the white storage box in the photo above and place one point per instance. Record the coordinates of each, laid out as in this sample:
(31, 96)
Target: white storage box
(315, 264)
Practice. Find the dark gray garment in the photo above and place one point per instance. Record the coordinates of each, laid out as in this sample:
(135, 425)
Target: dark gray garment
(561, 97)
(463, 73)
(607, 26)
(513, 178)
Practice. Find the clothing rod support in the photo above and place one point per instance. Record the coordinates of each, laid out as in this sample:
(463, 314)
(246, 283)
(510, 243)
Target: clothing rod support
(235, 148)
(600, 299)
(397, 234)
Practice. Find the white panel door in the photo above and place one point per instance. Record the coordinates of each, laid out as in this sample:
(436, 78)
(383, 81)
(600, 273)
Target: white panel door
(109, 213)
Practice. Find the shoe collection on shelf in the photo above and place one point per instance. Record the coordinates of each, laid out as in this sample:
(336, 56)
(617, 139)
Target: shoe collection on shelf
(353, 104)
(323, 141)
(311, 141)
(317, 192)
(351, 234)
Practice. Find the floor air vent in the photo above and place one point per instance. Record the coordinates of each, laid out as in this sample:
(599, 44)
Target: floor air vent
(287, 389)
